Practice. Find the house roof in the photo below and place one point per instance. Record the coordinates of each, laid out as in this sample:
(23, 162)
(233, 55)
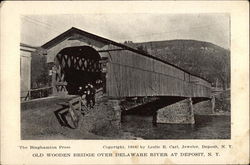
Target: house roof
(28, 46)
(74, 30)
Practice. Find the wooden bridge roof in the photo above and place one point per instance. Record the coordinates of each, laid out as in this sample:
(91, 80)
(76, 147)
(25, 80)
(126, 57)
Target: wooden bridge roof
(74, 30)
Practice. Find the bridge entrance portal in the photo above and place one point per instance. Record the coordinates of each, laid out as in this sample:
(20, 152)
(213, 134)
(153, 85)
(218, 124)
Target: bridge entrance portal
(75, 67)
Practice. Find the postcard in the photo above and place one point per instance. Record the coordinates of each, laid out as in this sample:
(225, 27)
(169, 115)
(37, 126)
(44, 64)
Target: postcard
(125, 82)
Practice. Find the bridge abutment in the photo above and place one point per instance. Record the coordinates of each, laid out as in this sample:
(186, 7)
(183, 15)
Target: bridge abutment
(114, 115)
(107, 118)
(178, 113)
(204, 107)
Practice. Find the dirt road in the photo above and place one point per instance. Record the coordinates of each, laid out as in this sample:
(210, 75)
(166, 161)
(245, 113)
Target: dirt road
(39, 120)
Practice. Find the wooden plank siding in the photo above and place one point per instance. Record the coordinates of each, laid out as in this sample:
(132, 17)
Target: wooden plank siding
(130, 74)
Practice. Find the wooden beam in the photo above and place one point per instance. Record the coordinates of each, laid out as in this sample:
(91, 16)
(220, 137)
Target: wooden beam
(110, 50)
(25, 50)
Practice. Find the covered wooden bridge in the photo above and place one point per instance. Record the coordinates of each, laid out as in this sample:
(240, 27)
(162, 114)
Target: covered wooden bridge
(78, 57)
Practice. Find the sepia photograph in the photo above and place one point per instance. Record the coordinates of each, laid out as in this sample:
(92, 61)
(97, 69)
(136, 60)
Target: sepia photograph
(125, 76)
(124, 82)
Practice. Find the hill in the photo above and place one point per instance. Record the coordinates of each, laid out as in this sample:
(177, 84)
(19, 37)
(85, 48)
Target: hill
(200, 58)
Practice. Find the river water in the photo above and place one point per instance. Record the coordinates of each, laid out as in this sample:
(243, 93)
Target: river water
(205, 127)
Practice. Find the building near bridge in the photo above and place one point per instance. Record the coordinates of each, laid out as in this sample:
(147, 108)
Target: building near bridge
(33, 71)
(25, 69)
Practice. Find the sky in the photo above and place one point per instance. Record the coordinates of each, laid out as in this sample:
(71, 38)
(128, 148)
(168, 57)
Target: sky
(36, 30)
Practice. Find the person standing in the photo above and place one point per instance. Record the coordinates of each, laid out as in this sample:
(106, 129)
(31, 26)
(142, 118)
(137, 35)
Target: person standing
(87, 92)
(80, 91)
(92, 95)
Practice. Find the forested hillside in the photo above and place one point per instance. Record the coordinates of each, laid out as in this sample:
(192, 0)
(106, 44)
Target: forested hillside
(200, 58)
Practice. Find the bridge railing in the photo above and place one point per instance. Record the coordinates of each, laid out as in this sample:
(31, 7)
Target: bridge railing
(38, 93)
(78, 104)
(75, 104)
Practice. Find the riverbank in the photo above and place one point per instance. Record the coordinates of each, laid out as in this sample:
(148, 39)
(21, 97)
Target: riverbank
(48, 119)
(220, 114)
(45, 120)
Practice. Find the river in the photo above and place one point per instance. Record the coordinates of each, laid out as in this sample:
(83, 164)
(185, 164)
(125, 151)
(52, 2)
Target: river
(205, 127)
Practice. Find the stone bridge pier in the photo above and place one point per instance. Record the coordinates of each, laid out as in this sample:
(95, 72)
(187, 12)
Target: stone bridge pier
(115, 113)
(177, 113)
(171, 110)
(203, 106)
(182, 112)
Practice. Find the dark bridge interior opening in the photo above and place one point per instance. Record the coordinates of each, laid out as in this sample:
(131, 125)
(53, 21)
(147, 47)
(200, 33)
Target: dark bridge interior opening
(78, 66)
